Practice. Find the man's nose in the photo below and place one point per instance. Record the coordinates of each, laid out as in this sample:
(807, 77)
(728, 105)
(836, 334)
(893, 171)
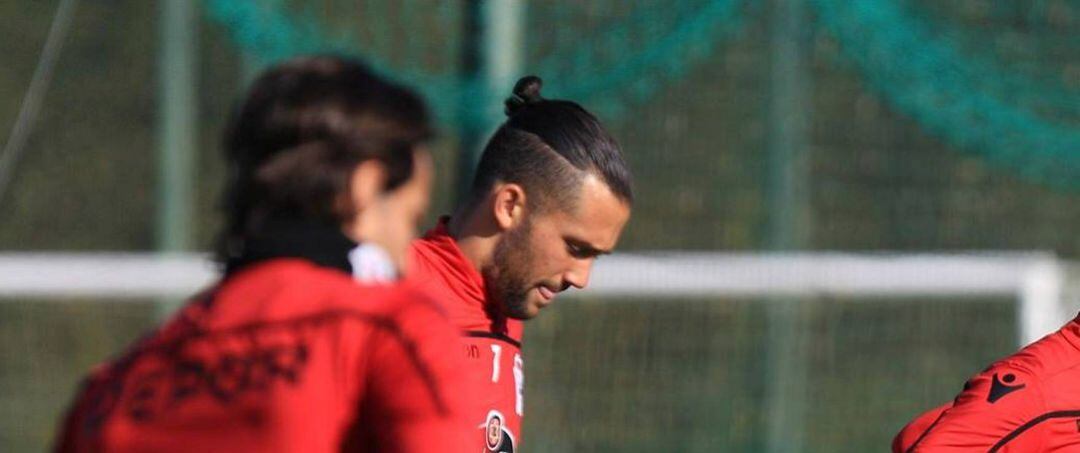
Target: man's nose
(578, 275)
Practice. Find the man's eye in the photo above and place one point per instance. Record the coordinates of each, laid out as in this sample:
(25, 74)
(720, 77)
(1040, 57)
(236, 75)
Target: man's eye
(578, 251)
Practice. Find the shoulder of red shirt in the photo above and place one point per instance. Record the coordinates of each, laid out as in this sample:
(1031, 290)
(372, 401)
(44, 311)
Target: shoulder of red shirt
(1002, 401)
(324, 292)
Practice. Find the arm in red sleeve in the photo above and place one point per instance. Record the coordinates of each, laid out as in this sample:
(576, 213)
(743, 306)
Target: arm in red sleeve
(914, 431)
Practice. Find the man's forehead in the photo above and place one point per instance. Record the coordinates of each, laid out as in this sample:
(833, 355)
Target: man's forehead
(598, 216)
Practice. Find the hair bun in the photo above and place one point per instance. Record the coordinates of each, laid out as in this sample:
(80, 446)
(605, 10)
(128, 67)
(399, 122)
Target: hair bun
(526, 91)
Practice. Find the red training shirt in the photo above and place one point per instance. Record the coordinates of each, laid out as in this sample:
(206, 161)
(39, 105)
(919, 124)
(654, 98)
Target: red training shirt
(1027, 402)
(282, 356)
(491, 342)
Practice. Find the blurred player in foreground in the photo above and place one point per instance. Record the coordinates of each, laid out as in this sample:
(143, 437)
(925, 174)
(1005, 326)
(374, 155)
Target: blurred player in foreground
(288, 352)
(551, 194)
(1027, 402)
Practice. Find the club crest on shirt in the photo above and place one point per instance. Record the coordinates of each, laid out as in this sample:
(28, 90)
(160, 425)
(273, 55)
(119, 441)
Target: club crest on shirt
(497, 435)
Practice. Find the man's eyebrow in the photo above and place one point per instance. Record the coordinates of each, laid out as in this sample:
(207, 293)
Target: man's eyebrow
(586, 248)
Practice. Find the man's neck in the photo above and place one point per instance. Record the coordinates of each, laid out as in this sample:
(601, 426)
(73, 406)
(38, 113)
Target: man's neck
(473, 236)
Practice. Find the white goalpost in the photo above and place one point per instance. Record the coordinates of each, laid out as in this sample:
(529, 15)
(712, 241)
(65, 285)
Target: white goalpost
(1037, 280)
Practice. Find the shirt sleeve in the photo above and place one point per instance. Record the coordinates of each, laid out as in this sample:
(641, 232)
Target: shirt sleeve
(990, 414)
(414, 401)
(918, 427)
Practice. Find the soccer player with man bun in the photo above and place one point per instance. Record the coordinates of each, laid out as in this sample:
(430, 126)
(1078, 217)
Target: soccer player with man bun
(551, 194)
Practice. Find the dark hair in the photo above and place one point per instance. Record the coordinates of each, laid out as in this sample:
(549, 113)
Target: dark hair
(548, 146)
(302, 129)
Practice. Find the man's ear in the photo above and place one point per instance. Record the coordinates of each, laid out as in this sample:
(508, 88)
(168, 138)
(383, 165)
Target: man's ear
(365, 186)
(508, 205)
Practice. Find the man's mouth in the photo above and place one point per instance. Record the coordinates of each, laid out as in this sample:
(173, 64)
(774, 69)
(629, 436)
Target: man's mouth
(545, 294)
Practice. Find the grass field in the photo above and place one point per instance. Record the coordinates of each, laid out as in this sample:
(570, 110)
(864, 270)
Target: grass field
(633, 376)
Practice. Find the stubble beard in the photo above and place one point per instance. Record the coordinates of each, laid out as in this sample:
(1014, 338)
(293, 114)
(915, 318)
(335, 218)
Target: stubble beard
(506, 277)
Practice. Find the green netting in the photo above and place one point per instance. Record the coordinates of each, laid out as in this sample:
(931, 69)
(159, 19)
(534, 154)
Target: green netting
(1023, 47)
(608, 65)
(973, 104)
(691, 376)
(631, 58)
(925, 63)
(272, 30)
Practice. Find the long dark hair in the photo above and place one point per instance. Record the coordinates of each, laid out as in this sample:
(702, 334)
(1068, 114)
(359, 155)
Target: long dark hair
(295, 139)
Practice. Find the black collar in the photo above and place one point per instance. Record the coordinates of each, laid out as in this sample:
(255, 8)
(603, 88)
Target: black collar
(321, 243)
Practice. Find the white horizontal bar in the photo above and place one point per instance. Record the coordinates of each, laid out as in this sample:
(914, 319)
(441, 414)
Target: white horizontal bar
(807, 274)
(104, 275)
(680, 274)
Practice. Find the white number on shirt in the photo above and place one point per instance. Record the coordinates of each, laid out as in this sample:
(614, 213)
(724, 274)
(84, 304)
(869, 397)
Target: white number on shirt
(497, 350)
(519, 382)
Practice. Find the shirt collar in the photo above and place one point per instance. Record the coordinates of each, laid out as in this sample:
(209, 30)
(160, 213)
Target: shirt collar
(470, 282)
(323, 244)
